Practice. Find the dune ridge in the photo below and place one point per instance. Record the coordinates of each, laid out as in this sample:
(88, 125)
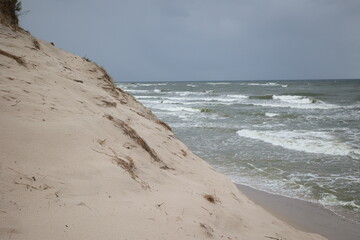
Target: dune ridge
(82, 159)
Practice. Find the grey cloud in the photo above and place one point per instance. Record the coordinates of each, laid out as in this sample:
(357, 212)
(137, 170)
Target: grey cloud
(164, 40)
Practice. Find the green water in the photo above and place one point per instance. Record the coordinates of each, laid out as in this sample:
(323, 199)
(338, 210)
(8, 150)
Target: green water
(299, 139)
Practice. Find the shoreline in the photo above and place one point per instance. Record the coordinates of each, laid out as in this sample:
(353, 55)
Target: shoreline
(303, 215)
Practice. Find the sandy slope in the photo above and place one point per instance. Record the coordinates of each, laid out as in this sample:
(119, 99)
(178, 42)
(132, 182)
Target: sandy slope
(80, 159)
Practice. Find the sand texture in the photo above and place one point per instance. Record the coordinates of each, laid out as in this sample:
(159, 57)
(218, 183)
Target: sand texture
(81, 159)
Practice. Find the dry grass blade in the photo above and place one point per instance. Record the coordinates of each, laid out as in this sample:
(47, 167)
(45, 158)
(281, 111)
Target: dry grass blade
(208, 230)
(164, 125)
(78, 81)
(127, 166)
(276, 238)
(137, 138)
(36, 44)
(109, 104)
(19, 60)
(105, 76)
(101, 142)
(109, 86)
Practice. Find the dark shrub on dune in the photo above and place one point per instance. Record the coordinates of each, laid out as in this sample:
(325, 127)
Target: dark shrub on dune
(9, 12)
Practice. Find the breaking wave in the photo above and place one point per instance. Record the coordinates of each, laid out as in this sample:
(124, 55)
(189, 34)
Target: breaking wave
(270, 84)
(305, 141)
(291, 101)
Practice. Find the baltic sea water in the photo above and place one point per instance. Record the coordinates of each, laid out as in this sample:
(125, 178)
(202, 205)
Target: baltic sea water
(299, 139)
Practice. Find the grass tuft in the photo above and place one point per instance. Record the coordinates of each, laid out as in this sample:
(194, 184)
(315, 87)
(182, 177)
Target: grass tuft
(138, 139)
(36, 44)
(19, 60)
(10, 11)
(164, 125)
(87, 59)
(128, 166)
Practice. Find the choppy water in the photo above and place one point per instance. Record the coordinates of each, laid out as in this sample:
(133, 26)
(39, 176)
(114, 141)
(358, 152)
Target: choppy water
(294, 138)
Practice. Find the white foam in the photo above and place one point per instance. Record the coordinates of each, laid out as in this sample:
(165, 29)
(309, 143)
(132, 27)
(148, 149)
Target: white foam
(275, 186)
(188, 93)
(239, 96)
(294, 99)
(146, 97)
(208, 100)
(137, 91)
(147, 84)
(306, 141)
(331, 200)
(290, 101)
(298, 106)
(171, 108)
(271, 114)
(151, 84)
(191, 85)
(218, 83)
(270, 84)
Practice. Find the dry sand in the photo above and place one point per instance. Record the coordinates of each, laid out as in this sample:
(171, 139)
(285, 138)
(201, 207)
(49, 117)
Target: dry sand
(81, 159)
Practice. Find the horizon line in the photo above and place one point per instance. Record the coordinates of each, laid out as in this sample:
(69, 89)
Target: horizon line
(232, 80)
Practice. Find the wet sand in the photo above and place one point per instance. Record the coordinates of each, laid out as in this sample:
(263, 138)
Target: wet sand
(305, 215)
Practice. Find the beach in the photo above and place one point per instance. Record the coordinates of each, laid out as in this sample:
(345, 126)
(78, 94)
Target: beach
(82, 159)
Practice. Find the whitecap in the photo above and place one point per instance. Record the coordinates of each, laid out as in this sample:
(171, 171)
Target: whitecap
(270, 84)
(291, 101)
(294, 99)
(151, 84)
(218, 83)
(146, 97)
(137, 91)
(331, 200)
(238, 96)
(305, 141)
(188, 93)
(288, 105)
(170, 108)
(271, 114)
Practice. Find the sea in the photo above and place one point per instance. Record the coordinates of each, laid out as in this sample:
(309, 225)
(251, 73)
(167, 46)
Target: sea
(299, 139)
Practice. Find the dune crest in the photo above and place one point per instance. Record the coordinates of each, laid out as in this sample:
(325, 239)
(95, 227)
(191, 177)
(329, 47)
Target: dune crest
(82, 159)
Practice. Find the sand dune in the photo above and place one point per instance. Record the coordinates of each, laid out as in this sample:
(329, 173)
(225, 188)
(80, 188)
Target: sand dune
(81, 159)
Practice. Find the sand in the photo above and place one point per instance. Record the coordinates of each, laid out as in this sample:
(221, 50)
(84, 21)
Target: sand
(81, 159)
(305, 215)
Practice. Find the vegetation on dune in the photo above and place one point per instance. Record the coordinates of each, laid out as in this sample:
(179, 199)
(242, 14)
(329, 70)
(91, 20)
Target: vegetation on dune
(10, 11)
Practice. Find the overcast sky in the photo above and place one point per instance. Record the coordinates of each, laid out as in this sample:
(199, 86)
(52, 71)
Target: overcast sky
(166, 40)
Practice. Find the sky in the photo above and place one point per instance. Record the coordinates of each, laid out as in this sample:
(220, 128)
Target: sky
(192, 40)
